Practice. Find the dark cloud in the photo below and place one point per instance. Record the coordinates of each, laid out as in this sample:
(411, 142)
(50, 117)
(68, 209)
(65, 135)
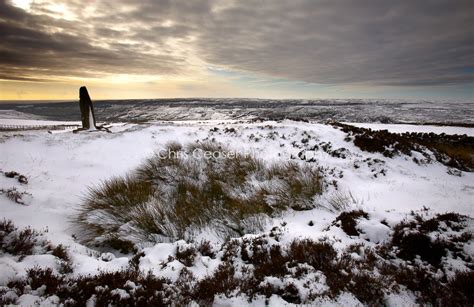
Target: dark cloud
(330, 42)
(38, 45)
(383, 42)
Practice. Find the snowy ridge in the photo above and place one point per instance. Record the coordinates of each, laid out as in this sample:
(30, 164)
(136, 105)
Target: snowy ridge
(350, 110)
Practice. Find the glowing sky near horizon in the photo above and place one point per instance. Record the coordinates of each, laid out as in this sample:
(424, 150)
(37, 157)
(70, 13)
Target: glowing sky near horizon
(259, 48)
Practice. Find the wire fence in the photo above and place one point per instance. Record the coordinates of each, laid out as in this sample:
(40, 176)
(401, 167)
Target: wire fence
(36, 127)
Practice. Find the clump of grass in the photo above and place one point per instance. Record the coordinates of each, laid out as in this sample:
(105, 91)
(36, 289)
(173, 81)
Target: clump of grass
(186, 254)
(222, 281)
(60, 252)
(121, 288)
(182, 190)
(22, 242)
(320, 255)
(348, 221)
(368, 288)
(341, 201)
(413, 244)
(413, 238)
(6, 227)
(65, 262)
(16, 196)
(205, 248)
(460, 290)
(38, 277)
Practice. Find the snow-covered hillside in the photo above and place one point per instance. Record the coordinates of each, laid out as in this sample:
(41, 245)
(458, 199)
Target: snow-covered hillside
(60, 167)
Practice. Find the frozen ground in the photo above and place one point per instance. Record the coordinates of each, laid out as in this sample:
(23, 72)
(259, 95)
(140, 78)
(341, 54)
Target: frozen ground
(61, 166)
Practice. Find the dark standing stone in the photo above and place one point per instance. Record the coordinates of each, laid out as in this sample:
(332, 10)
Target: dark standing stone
(87, 109)
(87, 113)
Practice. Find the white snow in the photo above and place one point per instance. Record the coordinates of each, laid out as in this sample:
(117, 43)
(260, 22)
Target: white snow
(373, 230)
(16, 115)
(61, 167)
(31, 122)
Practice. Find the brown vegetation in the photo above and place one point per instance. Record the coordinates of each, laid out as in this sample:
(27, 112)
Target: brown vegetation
(455, 151)
(247, 265)
(348, 221)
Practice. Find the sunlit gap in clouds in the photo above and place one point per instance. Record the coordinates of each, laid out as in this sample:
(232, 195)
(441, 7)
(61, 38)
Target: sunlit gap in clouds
(23, 4)
(55, 10)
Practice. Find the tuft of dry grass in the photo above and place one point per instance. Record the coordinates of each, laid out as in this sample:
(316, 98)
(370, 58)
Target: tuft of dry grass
(177, 194)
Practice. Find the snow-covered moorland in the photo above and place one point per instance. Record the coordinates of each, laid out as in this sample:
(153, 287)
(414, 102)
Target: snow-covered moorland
(392, 229)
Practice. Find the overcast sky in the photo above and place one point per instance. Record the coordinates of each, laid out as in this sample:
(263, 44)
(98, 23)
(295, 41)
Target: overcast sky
(265, 48)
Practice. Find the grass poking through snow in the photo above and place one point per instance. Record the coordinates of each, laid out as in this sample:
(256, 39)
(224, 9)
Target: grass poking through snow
(175, 196)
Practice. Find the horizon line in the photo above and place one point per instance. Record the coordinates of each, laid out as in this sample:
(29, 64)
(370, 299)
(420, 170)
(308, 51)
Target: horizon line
(228, 98)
